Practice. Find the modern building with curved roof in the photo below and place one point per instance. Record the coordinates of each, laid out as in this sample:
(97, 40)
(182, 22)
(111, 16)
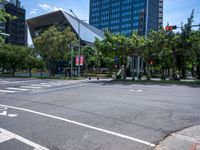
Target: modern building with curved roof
(88, 33)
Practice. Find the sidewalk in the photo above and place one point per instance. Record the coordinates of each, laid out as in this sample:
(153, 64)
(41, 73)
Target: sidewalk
(187, 139)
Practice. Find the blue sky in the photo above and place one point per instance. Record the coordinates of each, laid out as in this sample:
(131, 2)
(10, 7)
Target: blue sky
(175, 11)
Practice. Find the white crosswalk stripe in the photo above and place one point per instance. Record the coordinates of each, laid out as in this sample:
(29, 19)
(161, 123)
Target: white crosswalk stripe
(7, 91)
(31, 87)
(37, 87)
(4, 81)
(17, 89)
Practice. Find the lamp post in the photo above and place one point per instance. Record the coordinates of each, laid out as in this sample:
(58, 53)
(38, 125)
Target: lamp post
(79, 41)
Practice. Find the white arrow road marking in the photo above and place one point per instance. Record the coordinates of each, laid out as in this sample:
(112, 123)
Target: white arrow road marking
(3, 113)
(84, 125)
(6, 135)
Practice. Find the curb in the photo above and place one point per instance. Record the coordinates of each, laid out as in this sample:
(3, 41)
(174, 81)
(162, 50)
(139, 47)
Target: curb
(186, 139)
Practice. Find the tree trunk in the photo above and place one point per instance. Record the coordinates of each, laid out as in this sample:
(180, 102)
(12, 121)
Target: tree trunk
(183, 73)
(13, 71)
(198, 71)
(86, 68)
(41, 72)
(174, 66)
(133, 67)
(163, 74)
(148, 72)
(30, 72)
(53, 70)
(124, 71)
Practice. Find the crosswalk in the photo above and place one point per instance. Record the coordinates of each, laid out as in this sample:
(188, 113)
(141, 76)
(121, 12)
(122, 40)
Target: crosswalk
(34, 87)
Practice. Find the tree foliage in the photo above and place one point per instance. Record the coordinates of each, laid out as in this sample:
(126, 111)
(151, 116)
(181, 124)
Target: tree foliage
(54, 45)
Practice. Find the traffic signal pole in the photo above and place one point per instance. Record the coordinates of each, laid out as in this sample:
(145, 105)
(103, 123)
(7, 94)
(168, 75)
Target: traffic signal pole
(170, 28)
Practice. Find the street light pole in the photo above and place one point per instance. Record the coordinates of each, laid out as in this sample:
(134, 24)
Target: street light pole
(79, 40)
(72, 51)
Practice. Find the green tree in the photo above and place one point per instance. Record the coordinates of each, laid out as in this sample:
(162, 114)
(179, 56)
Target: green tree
(185, 44)
(31, 60)
(137, 44)
(14, 56)
(3, 59)
(195, 50)
(88, 52)
(53, 45)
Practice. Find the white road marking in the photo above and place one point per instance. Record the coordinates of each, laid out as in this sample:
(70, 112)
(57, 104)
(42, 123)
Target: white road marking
(6, 135)
(55, 89)
(7, 91)
(17, 89)
(31, 87)
(3, 81)
(54, 84)
(3, 113)
(13, 82)
(41, 85)
(135, 90)
(84, 125)
(12, 115)
(2, 108)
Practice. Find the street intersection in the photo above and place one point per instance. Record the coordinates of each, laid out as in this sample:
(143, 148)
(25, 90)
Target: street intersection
(86, 115)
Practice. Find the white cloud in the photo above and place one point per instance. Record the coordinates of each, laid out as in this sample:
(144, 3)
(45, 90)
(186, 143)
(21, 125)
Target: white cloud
(47, 7)
(34, 11)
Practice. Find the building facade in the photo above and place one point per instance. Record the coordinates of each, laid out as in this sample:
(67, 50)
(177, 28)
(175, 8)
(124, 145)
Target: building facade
(17, 28)
(126, 16)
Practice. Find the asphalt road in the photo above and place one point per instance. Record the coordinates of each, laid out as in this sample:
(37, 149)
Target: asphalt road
(81, 115)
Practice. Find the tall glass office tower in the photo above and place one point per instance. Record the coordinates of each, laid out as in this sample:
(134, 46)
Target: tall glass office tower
(126, 16)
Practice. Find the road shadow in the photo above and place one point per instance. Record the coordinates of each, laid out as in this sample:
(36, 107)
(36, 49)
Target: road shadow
(195, 84)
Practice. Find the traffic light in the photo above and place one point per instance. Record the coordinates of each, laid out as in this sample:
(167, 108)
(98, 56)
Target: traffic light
(170, 28)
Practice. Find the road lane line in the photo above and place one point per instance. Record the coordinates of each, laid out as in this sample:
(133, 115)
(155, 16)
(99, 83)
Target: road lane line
(84, 125)
(9, 135)
(7, 91)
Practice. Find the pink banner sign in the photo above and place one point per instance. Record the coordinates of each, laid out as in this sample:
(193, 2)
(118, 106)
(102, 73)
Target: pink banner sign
(77, 60)
(81, 60)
